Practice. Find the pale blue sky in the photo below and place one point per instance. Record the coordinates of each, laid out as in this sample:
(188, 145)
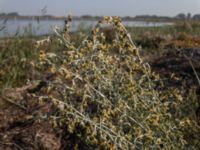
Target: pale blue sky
(102, 7)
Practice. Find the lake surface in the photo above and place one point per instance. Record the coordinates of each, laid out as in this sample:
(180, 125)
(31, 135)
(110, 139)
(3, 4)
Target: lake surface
(25, 27)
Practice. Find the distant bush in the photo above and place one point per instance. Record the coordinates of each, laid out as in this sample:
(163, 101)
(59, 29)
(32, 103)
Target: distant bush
(147, 40)
(196, 17)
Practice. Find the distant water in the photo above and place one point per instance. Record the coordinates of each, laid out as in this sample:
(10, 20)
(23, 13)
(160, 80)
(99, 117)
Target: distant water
(26, 27)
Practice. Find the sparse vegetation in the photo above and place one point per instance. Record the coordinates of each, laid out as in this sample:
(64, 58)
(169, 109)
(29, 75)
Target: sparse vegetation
(96, 93)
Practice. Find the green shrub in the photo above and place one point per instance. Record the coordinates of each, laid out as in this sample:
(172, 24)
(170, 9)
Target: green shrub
(108, 98)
